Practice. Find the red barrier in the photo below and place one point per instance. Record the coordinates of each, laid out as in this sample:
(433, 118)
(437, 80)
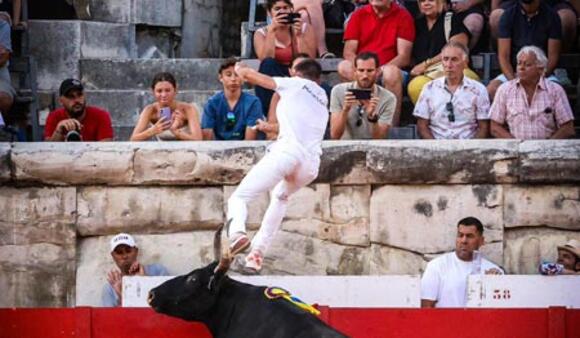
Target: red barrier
(87, 322)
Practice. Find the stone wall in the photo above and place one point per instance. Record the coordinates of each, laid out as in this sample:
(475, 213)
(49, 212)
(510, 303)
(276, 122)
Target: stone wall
(377, 207)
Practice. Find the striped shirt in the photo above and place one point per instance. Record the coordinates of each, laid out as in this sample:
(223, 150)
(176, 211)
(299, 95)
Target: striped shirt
(549, 109)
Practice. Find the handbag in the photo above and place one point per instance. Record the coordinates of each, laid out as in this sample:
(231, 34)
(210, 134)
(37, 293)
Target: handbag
(335, 12)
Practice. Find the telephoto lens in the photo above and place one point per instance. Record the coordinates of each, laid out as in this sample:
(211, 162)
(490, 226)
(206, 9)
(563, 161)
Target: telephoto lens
(73, 136)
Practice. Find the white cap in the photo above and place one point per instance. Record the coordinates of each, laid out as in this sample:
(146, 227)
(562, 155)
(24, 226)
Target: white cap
(122, 238)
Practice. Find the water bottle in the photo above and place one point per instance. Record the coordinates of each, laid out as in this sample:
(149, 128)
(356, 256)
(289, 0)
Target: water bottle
(476, 263)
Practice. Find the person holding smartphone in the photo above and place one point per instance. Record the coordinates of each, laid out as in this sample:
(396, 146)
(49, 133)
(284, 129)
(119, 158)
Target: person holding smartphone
(167, 118)
(277, 44)
(361, 109)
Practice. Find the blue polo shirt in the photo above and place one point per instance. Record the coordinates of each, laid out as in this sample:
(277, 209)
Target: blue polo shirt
(232, 127)
(525, 31)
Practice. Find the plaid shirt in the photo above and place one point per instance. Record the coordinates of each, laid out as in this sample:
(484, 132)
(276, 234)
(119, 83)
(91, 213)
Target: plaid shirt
(470, 104)
(541, 118)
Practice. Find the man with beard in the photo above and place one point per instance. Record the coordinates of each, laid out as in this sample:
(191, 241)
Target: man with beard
(444, 281)
(124, 252)
(366, 118)
(76, 121)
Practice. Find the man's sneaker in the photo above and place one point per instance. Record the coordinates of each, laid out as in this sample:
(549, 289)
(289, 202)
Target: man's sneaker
(253, 263)
(240, 243)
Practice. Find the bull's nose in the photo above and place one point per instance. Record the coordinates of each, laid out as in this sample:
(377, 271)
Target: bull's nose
(150, 297)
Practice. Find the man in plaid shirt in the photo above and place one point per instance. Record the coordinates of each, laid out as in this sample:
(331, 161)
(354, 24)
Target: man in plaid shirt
(529, 106)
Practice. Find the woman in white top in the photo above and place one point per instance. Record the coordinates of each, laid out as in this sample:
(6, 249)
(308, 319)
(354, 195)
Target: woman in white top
(181, 122)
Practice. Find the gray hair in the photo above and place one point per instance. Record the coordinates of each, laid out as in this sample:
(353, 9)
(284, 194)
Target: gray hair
(541, 59)
(464, 50)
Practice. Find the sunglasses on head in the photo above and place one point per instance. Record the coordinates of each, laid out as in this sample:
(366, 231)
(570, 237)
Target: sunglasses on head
(230, 121)
(449, 108)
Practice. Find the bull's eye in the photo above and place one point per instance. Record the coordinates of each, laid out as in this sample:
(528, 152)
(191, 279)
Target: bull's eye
(190, 280)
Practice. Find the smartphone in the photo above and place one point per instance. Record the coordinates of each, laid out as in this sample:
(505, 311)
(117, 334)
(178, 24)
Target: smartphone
(166, 113)
(291, 18)
(361, 94)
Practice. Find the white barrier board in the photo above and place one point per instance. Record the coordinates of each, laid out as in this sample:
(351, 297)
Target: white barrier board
(523, 291)
(335, 291)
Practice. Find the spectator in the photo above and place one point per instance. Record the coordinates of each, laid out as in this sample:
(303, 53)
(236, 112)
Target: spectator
(526, 23)
(76, 121)
(7, 92)
(568, 262)
(385, 28)
(444, 282)
(531, 106)
(277, 43)
(434, 28)
(353, 118)
(231, 114)
(124, 252)
(471, 12)
(565, 10)
(453, 106)
(311, 11)
(167, 118)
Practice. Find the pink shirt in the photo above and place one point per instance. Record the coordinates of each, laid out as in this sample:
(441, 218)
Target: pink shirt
(548, 110)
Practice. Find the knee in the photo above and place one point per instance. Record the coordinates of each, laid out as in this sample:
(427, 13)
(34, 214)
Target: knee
(6, 101)
(392, 77)
(345, 70)
(267, 65)
(568, 20)
(474, 22)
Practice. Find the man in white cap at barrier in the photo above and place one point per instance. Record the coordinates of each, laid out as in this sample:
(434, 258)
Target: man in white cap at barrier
(124, 252)
(568, 262)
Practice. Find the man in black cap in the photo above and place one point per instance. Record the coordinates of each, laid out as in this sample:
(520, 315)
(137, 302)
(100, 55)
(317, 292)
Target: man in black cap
(76, 121)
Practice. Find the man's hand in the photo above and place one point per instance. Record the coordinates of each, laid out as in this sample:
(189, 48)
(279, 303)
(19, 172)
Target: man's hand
(493, 271)
(371, 107)
(241, 68)
(419, 69)
(67, 125)
(349, 101)
(115, 278)
(264, 126)
(136, 269)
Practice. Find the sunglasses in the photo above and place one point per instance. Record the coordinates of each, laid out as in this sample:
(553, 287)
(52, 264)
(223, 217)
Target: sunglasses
(449, 108)
(230, 121)
(360, 113)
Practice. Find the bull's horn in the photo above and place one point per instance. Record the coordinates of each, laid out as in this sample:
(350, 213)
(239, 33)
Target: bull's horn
(224, 256)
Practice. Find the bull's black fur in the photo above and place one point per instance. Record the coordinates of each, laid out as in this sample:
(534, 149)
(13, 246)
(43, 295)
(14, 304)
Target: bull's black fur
(232, 309)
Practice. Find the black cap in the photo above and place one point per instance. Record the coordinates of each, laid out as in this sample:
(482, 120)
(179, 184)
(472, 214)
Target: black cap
(68, 85)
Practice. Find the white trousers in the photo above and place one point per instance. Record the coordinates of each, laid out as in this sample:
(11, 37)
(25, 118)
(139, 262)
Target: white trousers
(281, 172)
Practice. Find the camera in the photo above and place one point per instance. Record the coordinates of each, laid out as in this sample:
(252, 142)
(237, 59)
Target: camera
(291, 18)
(361, 94)
(73, 136)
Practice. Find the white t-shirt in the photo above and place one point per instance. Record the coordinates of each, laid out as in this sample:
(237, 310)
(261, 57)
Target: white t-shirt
(302, 114)
(445, 280)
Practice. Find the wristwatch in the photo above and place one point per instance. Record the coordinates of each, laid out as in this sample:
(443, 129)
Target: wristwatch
(373, 120)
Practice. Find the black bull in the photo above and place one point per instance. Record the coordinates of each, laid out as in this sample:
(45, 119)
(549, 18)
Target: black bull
(232, 309)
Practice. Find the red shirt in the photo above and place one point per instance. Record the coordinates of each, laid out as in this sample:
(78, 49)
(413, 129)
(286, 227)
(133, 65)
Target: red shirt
(379, 35)
(96, 124)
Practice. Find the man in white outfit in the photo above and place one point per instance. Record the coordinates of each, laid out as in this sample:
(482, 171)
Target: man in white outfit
(290, 163)
(444, 282)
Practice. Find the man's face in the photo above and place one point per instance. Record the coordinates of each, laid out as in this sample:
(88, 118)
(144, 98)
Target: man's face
(229, 79)
(124, 256)
(365, 73)
(74, 103)
(453, 62)
(468, 240)
(568, 260)
(380, 4)
(527, 68)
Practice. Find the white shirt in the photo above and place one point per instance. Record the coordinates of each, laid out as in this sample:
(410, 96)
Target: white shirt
(302, 115)
(445, 279)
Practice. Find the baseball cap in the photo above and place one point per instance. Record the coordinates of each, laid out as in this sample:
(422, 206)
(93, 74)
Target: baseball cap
(68, 85)
(572, 246)
(122, 238)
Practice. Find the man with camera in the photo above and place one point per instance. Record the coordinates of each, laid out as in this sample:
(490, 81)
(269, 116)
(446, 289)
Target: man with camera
(76, 121)
(453, 106)
(361, 109)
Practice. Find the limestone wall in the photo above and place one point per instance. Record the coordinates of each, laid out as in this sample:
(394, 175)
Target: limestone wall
(377, 207)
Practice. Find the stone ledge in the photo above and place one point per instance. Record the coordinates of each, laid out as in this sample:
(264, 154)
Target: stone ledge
(342, 163)
(4, 162)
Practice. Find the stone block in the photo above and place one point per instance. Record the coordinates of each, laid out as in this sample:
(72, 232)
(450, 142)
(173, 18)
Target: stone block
(178, 252)
(5, 162)
(550, 161)
(405, 216)
(294, 254)
(526, 248)
(210, 163)
(344, 162)
(552, 206)
(352, 202)
(191, 74)
(311, 202)
(393, 261)
(201, 29)
(73, 163)
(84, 39)
(166, 13)
(148, 210)
(155, 42)
(354, 232)
(46, 103)
(37, 275)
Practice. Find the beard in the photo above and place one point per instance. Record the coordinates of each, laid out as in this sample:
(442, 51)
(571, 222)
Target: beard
(76, 111)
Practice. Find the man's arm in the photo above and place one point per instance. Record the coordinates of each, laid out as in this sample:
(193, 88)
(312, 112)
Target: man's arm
(423, 129)
(404, 49)
(482, 129)
(254, 77)
(504, 48)
(350, 49)
(554, 48)
(565, 131)
(499, 131)
(426, 303)
(207, 134)
(250, 134)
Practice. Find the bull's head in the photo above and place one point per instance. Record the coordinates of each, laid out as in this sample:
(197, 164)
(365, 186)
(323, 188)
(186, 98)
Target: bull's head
(191, 296)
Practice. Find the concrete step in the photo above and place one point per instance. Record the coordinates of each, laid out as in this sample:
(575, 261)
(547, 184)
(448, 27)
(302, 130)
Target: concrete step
(58, 45)
(163, 13)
